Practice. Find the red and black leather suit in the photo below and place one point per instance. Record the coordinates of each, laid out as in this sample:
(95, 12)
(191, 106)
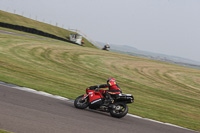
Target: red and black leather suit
(111, 84)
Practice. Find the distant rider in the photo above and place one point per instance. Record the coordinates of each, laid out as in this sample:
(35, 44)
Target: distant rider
(113, 88)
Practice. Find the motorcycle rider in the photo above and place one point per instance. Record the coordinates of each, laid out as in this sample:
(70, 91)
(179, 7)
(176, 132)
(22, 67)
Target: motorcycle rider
(113, 89)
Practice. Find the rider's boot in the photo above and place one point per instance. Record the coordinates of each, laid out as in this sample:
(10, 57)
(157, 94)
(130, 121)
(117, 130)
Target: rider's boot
(110, 100)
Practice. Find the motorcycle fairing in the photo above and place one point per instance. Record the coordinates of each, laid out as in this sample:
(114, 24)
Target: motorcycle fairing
(95, 99)
(96, 103)
(93, 95)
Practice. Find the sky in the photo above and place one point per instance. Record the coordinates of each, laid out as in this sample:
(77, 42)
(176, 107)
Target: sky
(169, 27)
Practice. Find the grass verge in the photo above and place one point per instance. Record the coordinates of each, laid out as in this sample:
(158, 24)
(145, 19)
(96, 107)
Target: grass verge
(3, 131)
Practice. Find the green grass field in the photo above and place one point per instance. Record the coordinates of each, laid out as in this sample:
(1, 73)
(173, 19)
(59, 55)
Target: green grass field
(162, 91)
(23, 21)
(3, 131)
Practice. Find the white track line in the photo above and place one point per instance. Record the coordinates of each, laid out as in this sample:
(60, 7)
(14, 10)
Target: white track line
(66, 99)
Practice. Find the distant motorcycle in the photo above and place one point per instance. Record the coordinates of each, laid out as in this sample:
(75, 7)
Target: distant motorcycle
(95, 100)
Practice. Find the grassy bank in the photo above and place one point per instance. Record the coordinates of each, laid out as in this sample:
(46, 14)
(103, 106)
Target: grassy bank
(26, 22)
(3, 131)
(164, 92)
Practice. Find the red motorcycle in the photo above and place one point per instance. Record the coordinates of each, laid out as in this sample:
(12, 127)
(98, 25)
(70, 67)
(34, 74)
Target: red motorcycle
(96, 100)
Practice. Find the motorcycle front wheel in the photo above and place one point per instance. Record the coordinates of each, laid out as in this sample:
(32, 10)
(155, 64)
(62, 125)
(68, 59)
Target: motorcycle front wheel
(119, 110)
(80, 104)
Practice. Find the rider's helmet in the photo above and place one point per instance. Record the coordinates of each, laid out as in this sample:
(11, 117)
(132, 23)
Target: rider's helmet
(111, 79)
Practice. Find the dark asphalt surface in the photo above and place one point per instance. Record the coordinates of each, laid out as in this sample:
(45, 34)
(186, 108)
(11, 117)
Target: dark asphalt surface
(18, 34)
(12, 33)
(25, 112)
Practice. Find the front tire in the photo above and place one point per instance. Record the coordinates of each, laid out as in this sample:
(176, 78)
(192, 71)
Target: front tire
(119, 110)
(78, 103)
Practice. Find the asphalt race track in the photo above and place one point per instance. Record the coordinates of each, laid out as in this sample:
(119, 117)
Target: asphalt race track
(12, 33)
(25, 112)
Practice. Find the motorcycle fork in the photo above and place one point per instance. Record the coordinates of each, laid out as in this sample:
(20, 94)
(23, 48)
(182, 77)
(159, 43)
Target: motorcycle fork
(83, 99)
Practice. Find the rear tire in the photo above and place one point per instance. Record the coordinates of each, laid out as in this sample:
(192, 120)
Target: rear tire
(119, 110)
(81, 104)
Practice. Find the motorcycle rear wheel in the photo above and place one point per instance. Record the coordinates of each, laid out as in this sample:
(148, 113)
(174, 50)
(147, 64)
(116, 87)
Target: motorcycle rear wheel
(119, 110)
(78, 103)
